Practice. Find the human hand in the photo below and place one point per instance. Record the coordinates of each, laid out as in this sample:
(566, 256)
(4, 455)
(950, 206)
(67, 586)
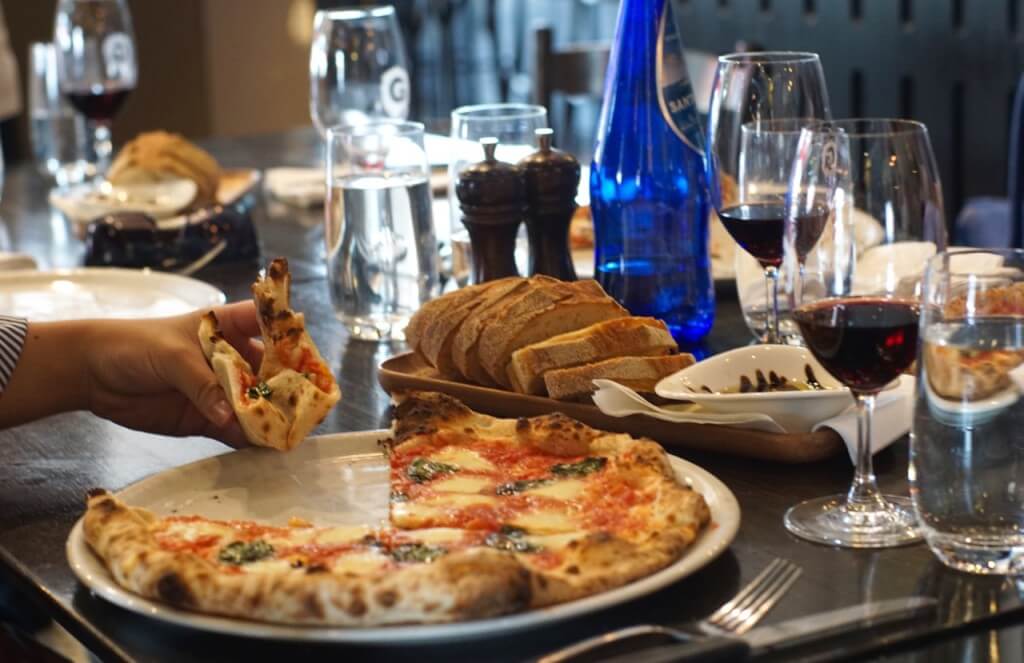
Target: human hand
(151, 375)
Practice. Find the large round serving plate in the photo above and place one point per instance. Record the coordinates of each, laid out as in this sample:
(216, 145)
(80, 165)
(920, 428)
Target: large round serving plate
(343, 479)
(102, 292)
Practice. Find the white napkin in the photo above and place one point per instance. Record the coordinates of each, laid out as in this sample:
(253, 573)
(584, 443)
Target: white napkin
(300, 187)
(893, 410)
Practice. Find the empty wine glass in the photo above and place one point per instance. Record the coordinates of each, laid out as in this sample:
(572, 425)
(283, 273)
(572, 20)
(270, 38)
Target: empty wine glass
(96, 63)
(856, 302)
(749, 159)
(357, 67)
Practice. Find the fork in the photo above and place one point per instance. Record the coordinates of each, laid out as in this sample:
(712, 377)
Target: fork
(734, 617)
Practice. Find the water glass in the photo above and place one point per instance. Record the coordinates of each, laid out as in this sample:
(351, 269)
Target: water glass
(381, 249)
(966, 456)
(58, 133)
(357, 67)
(513, 125)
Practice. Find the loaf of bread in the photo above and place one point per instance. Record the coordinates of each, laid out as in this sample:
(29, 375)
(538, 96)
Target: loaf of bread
(619, 337)
(156, 156)
(549, 310)
(638, 373)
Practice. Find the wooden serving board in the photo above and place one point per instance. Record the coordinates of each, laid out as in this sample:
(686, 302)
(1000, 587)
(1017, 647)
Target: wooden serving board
(409, 371)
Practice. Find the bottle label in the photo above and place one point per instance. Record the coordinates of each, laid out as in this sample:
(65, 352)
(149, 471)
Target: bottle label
(675, 93)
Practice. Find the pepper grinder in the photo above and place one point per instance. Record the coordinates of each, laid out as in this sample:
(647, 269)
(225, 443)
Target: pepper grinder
(492, 197)
(552, 178)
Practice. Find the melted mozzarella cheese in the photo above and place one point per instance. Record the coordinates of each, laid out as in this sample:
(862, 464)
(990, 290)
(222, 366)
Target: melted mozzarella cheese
(342, 534)
(460, 484)
(463, 458)
(545, 522)
(436, 506)
(569, 489)
(437, 535)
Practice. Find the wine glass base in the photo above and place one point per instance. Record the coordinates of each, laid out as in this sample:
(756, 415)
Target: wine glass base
(831, 521)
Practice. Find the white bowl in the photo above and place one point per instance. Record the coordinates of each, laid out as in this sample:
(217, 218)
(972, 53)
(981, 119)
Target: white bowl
(796, 411)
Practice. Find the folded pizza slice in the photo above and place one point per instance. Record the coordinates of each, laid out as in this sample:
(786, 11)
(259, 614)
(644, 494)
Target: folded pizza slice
(294, 389)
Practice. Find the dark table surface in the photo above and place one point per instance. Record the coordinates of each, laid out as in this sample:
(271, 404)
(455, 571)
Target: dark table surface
(47, 466)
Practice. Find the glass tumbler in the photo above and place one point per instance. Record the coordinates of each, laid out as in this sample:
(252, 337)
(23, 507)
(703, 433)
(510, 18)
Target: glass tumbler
(58, 133)
(381, 249)
(966, 454)
(513, 125)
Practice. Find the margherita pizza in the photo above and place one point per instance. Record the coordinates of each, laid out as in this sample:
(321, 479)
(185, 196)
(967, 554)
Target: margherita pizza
(488, 517)
(294, 389)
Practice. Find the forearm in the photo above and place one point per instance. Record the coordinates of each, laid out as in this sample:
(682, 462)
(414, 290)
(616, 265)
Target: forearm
(50, 376)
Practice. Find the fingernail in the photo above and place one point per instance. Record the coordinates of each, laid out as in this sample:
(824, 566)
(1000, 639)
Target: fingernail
(222, 412)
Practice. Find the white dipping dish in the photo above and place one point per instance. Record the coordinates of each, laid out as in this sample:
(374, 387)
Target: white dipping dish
(796, 411)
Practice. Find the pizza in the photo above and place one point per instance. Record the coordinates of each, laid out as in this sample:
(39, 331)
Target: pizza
(294, 388)
(487, 517)
(971, 374)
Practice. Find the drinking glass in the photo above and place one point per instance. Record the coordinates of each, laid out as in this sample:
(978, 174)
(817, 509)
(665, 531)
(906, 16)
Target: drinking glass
(513, 125)
(858, 311)
(380, 246)
(750, 152)
(357, 67)
(58, 133)
(966, 458)
(96, 64)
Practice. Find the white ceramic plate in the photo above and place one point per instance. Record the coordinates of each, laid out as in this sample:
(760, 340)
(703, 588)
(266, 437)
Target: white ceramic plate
(84, 202)
(74, 294)
(343, 479)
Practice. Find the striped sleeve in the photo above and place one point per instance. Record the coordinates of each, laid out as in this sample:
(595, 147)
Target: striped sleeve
(12, 338)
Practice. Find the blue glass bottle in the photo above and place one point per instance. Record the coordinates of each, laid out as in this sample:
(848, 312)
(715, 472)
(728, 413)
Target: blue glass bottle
(647, 191)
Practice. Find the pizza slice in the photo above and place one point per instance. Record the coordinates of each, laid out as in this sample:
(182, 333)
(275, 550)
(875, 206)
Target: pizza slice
(581, 508)
(294, 389)
(337, 576)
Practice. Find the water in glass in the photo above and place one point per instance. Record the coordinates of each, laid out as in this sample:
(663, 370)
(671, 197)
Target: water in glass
(385, 263)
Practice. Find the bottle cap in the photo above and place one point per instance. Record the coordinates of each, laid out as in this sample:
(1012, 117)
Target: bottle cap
(491, 186)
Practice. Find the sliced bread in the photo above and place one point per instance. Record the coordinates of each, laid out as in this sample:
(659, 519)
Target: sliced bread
(639, 373)
(619, 337)
(463, 345)
(547, 312)
(439, 331)
(419, 321)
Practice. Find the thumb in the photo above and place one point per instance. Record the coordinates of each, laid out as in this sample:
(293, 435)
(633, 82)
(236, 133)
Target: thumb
(194, 378)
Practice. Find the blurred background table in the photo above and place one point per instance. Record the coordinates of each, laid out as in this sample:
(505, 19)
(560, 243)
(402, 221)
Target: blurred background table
(48, 465)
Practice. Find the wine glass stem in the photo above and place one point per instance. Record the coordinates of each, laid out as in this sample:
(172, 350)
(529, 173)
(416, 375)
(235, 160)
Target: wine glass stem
(771, 298)
(864, 490)
(102, 145)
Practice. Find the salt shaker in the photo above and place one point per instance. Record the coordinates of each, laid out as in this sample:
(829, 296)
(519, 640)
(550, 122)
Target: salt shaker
(492, 197)
(552, 178)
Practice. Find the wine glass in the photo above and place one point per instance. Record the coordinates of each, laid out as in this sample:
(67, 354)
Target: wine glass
(856, 301)
(750, 153)
(96, 64)
(357, 67)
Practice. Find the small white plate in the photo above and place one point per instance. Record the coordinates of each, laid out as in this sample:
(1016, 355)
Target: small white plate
(343, 479)
(796, 411)
(93, 292)
(83, 203)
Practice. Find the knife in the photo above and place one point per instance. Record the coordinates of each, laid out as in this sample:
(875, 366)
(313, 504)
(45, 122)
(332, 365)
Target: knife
(790, 634)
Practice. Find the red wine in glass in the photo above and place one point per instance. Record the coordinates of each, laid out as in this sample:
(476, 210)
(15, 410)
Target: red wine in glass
(760, 229)
(98, 106)
(865, 342)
